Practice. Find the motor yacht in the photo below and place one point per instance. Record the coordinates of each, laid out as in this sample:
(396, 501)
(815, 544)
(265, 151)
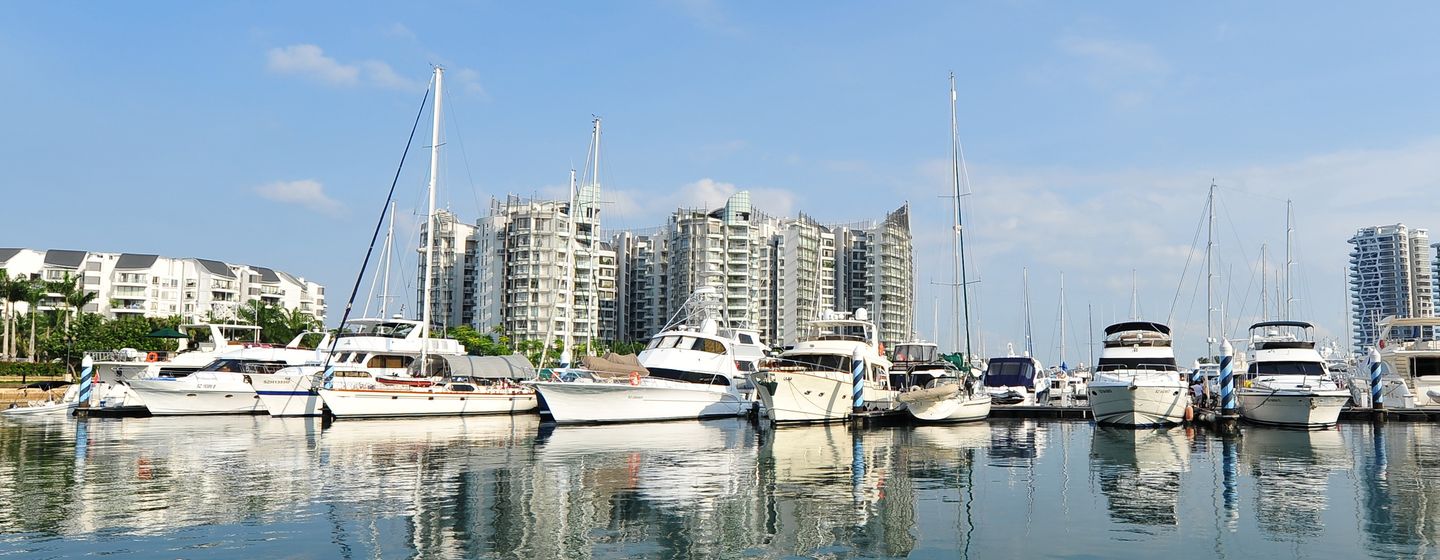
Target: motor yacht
(1287, 383)
(1136, 381)
(814, 381)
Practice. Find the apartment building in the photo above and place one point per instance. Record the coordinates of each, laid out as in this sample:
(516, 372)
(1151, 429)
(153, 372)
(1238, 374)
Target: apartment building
(1391, 273)
(147, 285)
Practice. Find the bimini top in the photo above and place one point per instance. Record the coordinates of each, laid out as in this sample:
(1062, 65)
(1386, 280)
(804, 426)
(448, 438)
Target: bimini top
(1137, 326)
(1299, 324)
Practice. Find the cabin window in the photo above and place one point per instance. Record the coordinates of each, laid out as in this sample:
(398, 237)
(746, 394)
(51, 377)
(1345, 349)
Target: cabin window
(389, 361)
(746, 339)
(685, 342)
(1286, 368)
(654, 342)
(1424, 366)
(1160, 364)
(669, 341)
(828, 362)
(709, 345)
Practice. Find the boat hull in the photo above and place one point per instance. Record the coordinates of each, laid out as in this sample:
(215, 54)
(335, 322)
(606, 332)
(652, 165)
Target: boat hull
(1136, 404)
(1315, 410)
(286, 395)
(592, 403)
(175, 397)
(954, 409)
(47, 409)
(376, 403)
(806, 397)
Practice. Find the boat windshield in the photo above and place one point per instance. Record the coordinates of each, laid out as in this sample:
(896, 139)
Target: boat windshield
(1119, 364)
(1010, 372)
(1287, 368)
(243, 366)
(828, 362)
(387, 330)
(916, 353)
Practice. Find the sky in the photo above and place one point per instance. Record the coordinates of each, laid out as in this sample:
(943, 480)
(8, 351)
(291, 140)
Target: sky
(268, 133)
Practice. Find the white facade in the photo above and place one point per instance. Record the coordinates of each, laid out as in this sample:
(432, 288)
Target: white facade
(875, 270)
(132, 284)
(1390, 274)
(452, 297)
(805, 277)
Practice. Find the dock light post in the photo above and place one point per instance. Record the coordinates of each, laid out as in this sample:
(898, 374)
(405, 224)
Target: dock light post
(1227, 378)
(1377, 402)
(857, 363)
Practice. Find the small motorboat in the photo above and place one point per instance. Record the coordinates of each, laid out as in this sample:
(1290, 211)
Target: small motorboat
(64, 406)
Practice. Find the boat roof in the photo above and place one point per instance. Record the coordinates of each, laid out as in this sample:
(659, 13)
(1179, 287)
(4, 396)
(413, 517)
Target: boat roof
(1137, 326)
(1263, 324)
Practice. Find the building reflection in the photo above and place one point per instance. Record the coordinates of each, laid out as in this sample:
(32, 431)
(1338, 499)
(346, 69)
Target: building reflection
(1399, 477)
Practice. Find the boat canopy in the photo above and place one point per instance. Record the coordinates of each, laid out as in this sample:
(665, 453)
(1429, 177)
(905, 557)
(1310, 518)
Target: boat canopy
(1010, 372)
(1298, 324)
(1137, 326)
(514, 366)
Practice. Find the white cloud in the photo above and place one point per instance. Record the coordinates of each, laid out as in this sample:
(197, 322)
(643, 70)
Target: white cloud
(398, 30)
(469, 81)
(307, 193)
(1129, 72)
(1098, 226)
(310, 61)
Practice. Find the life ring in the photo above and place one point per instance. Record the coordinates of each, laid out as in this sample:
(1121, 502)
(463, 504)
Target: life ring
(634, 378)
(152, 357)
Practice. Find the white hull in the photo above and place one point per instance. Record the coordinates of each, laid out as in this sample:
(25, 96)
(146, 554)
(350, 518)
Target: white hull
(1293, 409)
(1135, 404)
(45, 409)
(652, 399)
(184, 396)
(287, 395)
(807, 396)
(954, 409)
(373, 403)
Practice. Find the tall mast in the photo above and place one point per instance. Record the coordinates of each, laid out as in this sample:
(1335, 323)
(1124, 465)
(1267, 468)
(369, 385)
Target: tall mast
(1134, 296)
(1025, 284)
(565, 353)
(1090, 321)
(1062, 317)
(1264, 285)
(389, 256)
(1289, 261)
(957, 163)
(1210, 274)
(430, 223)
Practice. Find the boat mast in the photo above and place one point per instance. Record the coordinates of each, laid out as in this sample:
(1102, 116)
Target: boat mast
(1264, 285)
(389, 256)
(957, 162)
(1289, 261)
(1210, 274)
(1025, 284)
(430, 224)
(1090, 321)
(565, 353)
(1062, 318)
(1134, 297)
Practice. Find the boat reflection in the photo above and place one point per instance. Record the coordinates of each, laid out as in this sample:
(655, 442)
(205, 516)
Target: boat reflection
(1139, 472)
(1292, 469)
(1399, 478)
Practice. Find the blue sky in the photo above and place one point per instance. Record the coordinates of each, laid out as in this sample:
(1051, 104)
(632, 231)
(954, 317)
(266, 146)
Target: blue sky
(267, 133)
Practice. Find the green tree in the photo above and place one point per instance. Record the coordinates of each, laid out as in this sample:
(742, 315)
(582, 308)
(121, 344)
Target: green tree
(277, 324)
(10, 293)
(34, 293)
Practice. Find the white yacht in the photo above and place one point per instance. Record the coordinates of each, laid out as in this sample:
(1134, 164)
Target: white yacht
(934, 390)
(1136, 381)
(463, 385)
(1287, 383)
(1410, 350)
(684, 373)
(372, 352)
(205, 342)
(813, 382)
(1017, 380)
(220, 387)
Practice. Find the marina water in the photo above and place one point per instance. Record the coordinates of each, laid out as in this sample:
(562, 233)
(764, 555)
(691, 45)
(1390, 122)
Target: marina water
(503, 487)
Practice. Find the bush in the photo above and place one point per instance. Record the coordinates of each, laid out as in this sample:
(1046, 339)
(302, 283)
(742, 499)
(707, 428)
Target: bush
(28, 369)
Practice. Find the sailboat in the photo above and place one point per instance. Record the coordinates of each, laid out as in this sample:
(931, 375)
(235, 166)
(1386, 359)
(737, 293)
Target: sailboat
(960, 397)
(443, 384)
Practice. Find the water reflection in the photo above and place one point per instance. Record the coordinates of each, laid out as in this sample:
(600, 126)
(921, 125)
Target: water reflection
(245, 487)
(1139, 472)
(1292, 471)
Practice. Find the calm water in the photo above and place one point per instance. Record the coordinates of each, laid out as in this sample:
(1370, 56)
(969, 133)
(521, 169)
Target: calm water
(256, 487)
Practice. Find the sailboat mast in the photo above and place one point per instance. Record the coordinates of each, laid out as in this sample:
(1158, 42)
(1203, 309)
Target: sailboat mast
(1025, 284)
(1210, 274)
(1289, 260)
(957, 162)
(389, 256)
(1090, 322)
(1062, 317)
(430, 222)
(1264, 285)
(1134, 296)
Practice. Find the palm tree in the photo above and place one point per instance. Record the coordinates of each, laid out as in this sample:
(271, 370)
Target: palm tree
(5, 283)
(34, 292)
(13, 291)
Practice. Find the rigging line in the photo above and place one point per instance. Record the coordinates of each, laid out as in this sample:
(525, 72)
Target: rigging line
(464, 157)
(380, 223)
(1170, 318)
